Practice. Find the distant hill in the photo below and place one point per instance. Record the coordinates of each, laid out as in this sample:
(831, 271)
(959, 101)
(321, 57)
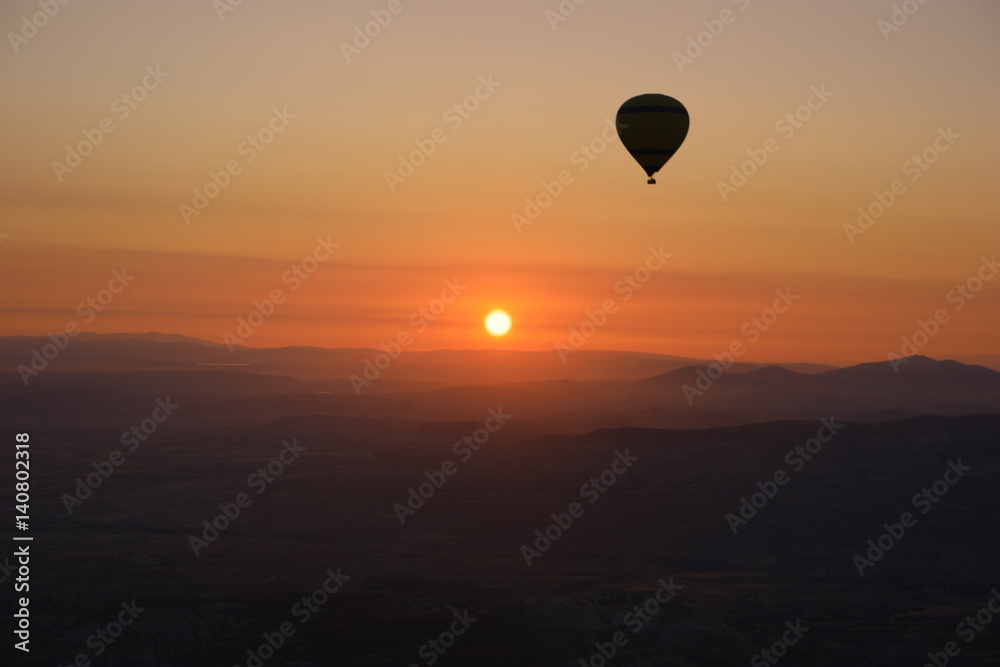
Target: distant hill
(991, 361)
(152, 336)
(158, 351)
(597, 389)
(916, 369)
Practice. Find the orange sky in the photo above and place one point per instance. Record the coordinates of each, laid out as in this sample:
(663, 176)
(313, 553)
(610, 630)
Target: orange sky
(220, 81)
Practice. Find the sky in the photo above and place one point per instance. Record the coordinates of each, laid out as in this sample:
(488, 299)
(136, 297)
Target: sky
(316, 122)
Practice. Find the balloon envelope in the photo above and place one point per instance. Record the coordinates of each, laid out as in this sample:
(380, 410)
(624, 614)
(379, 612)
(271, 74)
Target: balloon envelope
(652, 127)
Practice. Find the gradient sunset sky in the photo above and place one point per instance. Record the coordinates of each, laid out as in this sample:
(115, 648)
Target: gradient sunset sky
(557, 85)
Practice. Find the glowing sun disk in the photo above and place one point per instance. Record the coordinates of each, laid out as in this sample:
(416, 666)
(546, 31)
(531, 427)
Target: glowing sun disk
(498, 322)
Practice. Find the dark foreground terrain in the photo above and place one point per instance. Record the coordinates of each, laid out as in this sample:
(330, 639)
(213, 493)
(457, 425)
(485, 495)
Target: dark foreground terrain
(445, 579)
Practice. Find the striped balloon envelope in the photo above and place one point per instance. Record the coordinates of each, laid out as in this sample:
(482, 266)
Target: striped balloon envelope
(652, 127)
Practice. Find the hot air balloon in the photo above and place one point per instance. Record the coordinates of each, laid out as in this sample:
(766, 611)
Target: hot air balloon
(652, 127)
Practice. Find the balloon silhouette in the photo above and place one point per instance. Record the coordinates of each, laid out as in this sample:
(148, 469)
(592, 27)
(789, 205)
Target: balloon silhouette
(652, 127)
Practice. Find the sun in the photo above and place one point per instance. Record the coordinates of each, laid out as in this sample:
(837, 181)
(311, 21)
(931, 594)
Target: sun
(498, 322)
